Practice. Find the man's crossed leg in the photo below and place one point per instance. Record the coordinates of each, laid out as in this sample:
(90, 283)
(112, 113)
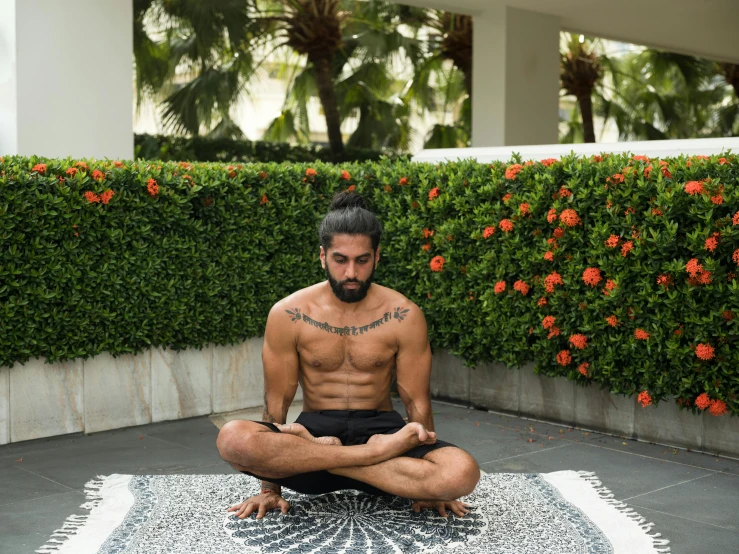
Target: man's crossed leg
(436, 480)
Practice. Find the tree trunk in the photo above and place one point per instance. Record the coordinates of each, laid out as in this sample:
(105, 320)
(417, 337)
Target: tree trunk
(586, 112)
(327, 95)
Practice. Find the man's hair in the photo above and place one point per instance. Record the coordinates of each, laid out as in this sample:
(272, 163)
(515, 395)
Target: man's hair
(349, 215)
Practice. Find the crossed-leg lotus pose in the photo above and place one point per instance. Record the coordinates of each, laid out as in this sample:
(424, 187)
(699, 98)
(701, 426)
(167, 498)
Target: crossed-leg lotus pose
(345, 340)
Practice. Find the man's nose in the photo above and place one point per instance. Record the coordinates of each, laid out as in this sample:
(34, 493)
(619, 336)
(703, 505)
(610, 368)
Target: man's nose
(351, 271)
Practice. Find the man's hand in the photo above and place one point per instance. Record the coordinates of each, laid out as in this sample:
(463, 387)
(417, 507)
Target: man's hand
(261, 503)
(455, 506)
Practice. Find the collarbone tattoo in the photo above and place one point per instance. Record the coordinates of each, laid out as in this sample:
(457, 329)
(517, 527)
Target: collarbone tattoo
(399, 314)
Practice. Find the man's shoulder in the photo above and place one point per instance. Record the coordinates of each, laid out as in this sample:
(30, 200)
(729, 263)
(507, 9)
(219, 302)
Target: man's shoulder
(298, 298)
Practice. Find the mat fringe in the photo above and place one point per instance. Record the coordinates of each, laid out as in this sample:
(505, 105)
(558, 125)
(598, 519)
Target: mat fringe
(74, 522)
(659, 544)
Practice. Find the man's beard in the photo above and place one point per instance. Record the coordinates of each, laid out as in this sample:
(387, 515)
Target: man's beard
(350, 295)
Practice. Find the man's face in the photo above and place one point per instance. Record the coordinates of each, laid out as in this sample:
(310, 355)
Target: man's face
(350, 266)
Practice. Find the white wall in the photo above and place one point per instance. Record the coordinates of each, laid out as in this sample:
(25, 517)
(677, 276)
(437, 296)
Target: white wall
(66, 78)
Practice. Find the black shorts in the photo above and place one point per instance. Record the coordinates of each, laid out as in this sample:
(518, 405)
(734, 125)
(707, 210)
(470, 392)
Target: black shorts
(352, 427)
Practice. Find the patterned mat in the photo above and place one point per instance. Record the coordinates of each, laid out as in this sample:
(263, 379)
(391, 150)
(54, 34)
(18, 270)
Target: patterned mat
(565, 512)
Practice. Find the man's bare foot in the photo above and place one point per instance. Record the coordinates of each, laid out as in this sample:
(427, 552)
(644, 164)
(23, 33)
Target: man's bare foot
(410, 436)
(300, 431)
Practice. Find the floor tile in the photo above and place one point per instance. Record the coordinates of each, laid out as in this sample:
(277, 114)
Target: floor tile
(712, 500)
(19, 484)
(687, 536)
(26, 526)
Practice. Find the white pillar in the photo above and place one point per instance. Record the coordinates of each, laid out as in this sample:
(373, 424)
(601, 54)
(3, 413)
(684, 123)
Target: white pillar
(515, 78)
(66, 78)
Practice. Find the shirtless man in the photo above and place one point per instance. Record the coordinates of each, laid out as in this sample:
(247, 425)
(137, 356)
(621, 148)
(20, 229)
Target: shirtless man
(344, 340)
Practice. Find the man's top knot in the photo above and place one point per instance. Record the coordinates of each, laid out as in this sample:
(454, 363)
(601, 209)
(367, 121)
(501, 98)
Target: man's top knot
(346, 199)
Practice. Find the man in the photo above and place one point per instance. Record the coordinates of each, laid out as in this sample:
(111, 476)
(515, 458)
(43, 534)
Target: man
(344, 340)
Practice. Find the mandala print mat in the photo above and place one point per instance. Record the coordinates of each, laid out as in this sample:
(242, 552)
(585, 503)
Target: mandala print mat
(565, 512)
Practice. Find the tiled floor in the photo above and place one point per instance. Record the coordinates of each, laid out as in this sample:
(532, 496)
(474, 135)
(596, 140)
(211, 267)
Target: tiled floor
(692, 498)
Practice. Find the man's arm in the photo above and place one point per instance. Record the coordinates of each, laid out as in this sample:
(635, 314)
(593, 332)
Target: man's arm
(281, 364)
(413, 367)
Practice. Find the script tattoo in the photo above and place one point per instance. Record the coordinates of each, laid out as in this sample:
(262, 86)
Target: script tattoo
(399, 314)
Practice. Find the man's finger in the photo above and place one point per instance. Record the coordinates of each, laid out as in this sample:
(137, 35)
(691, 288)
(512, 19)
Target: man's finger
(246, 510)
(442, 510)
(262, 511)
(234, 508)
(284, 506)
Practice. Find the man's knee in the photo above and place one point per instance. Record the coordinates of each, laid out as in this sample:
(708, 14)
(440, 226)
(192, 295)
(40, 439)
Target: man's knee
(458, 475)
(234, 441)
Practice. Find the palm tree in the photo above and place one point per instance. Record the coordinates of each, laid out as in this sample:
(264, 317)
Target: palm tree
(580, 73)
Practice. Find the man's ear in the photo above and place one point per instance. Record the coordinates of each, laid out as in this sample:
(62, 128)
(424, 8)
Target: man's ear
(377, 256)
(322, 256)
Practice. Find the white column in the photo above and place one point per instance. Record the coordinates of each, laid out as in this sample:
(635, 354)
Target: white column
(515, 78)
(66, 78)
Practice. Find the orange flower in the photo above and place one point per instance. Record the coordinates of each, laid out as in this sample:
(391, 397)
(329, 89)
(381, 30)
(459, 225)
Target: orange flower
(569, 217)
(640, 158)
(592, 276)
(609, 204)
(437, 263)
(704, 351)
(555, 332)
(433, 193)
(548, 322)
(488, 232)
(499, 287)
(711, 243)
(723, 161)
(512, 171)
(564, 358)
(387, 188)
(81, 165)
(542, 302)
(403, 181)
(549, 161)
(262, 174)
(350, 188)
(728, 315)
(717, 407)
(427, 233)
(263, 199)
(310, 172)
(644, 399)
(521, 287)
(558, 233)
(507, 197)
(617, 178)
(91, 197)
(118, 164)
(735, 219)
(553, 241)
(345, 175)
(579, 341)
(718, 199)
(647, 171)
(98, 175)
(186, 166)
(693, 267)
(583, 368)
(415, 205)
(152, 187)
(524, 207)
(641, 334)
(612, 320)
(612, 241)
(735, 256)
(702, 401)
(610, 284)
(71, 172)
(656, 212)
(106, 196)
(626, 247)
(598, 158)
(39, 168)
(549, 256)
(427, 246)
(552, 279)
(552, 215)
(564, 192)
(664, 280)
(694, 187)
(506, 225)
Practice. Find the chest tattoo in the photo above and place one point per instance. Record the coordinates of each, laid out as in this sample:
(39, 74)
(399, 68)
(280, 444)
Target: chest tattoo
(399, 314)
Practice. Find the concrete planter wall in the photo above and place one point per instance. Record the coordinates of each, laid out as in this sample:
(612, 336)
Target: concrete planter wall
(41, 400)
(521, 392)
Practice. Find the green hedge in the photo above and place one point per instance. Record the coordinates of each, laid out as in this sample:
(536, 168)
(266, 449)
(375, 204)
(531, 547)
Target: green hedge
(201, 149)
(200, 254)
